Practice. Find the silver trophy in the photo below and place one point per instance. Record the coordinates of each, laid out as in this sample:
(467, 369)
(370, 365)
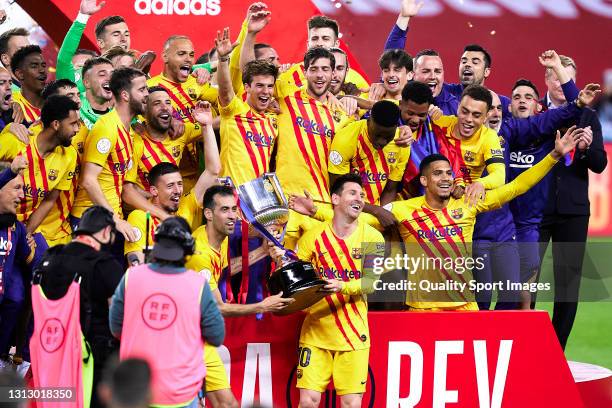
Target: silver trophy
(262, 200)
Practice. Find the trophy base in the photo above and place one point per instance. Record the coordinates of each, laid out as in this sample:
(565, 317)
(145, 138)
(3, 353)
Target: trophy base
(305, 296)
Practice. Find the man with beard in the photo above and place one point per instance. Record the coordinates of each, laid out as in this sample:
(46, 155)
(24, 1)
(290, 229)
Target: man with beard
(52, 161)
(184, 91)
(439, 226)
(210, 259)
(322, 32)
(165, 185)
(56, 227)
(30, 69)
(98, 98)
(154, 144)
(333, 344)
(108, 156)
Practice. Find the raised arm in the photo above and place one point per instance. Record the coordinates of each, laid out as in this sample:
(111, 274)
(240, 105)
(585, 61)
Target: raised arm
(224, 48)
(257, 18)
(212, 163)
(397, 36)
(551, 60)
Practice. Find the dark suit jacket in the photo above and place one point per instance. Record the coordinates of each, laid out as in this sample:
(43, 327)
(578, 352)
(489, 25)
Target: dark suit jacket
(569, 185)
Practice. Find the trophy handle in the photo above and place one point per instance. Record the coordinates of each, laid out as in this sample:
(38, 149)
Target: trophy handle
(271, 177)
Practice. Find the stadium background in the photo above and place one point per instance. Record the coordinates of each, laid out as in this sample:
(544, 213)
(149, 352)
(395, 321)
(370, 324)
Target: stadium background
(514, 31)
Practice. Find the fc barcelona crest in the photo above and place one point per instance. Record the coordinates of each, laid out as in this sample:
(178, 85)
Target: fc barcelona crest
(357, 253)
(391, 157)
(192, 93)
(502, 141)
(52, 175)
(469, 156)
(80, 147)
(337, 116)
(457, 213)
(176, 151)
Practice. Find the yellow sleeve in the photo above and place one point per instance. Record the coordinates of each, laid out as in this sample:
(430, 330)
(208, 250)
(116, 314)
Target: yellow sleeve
(356, 78)
(305, 246)
(138, 220)
(374, 247)
(209, 93)
(189, 208)
(343, 149)
(445, 121)
(99, 144)
(396, 173)
(10, 145)
(494, 160)
(69, 168)
(234, 64)
(201, 261)
(231, 109)
(283, 85)
(132, 174)
(499, 196)
(193, 132)
(323, 213)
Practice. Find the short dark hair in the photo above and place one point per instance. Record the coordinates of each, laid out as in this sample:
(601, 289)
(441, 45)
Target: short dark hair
(121, 79)
(157, 88)
(85, 51)
(385, 113)
(479, 48)
(258, 67)
(526, 82)
(6, 36)
(417, 92)
(129, 382)
(399, 58)
(90, 63)
(316, 53)
(209, 195)
(57, 107)
(339, 183)
(478, 93)
(260, 46)
(202, 59)
(323, 22)
(161, 169)
(110, 20)
(427, 160)
(21, 54)
(428, 52)
(118, 51)
(53, 87)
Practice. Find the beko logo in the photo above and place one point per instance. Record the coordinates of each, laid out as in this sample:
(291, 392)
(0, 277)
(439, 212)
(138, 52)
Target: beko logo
(178, 7)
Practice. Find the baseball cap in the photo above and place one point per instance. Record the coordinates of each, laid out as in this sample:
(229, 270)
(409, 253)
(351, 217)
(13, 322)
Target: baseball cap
(173, 240)
(95, 219)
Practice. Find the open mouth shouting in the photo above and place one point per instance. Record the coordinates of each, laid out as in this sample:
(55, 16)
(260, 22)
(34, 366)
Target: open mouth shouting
(432, 85)
(106, 89)
(184, 71)
(6, 101)
(164, 119)
(467, 75)
(392, 83)
(494, 122)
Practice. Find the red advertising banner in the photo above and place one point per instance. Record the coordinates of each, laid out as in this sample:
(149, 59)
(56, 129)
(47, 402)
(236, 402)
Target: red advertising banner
(600, 195)
(461, 359)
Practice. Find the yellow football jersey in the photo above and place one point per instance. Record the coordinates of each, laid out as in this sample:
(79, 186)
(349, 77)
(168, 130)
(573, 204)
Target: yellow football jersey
(109, 145)
(149, 152)
(296, 77)
(43, 175)
(442, 238)
(247, 140)
(480, 151)
(306, 128)
(30, 112)
(352, 151)
(207, 260)
(340, 321)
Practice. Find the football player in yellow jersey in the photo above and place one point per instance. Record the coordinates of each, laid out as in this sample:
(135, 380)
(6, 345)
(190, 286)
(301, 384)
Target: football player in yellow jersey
(366, 147)
(248, 133)
(396, 71)
(322, 32)
(154, 144)
(7, 113)
(30, 68)
(210, 259)
(108, 156)
(440, 226)
(52, 162)
(178, 57)
(335, 338)
(477, 146)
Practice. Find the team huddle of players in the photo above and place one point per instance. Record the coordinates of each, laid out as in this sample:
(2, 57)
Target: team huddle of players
(411, 155)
